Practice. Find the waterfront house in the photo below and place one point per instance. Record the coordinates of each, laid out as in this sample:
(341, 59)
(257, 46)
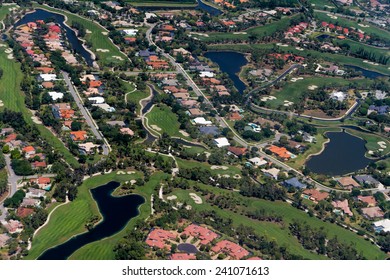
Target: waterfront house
(295, 183)
(348, 182)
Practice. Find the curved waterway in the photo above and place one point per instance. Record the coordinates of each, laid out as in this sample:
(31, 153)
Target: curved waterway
(230, 63)
(344, 154)
(116, 212)
(366, 73)
(76, 43)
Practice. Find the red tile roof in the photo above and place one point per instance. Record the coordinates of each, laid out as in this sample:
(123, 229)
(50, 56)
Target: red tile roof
(234, 250)
(158, 237)
(23, 212)
(280, 152)
(10, 138)
(204, 234)
(78, 135)
(315, 194)
(370, 200)
(237, 150)
(28, 149)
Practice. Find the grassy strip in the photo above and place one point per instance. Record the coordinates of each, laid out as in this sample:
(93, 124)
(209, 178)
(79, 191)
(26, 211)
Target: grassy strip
(231, 170)
(259, 31)
(13, 99)
(278, 232)
(103, 249)
(97, 38)
(69, 220)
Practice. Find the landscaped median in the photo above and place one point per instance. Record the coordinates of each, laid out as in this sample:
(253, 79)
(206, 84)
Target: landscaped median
(69, 220)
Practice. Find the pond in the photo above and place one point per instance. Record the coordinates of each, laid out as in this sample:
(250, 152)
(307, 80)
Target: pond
(77, 44)
(188, 248)
(344, 154)
(230, 63)
(116, 212)
(323, 37)
(211, 10)
(366, 73)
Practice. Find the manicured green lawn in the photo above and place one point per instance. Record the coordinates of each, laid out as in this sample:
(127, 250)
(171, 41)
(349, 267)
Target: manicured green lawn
(231, 170)
(292, 91)
(163, 3)
(258, 31)
(69, 219)
(4, 10)
(98, 38)
(327, 57)
(280, 233)
(13, 99)
(103, 249)
(165, 120)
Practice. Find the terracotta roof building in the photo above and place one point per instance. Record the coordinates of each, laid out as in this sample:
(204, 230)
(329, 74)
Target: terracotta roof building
(234, 250)
(315, 195)
(182, 256)
(159, 237)
(370, 200)
(202, 233)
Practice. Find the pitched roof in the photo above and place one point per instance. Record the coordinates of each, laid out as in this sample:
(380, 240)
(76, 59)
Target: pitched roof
(234, 250)
(182, 256)
(204, 234)
(370, 200)
(316, 194)
(237, 150)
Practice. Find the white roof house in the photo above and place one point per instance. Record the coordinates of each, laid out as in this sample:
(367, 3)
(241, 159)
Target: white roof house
(206, 74)
(56, 95)
(88, 147)
(273, 172)
(221, 142)
(48, 77)
(130, 32)
(257, 161)
(105, 107)
(382, 225)
(96, 100)
(338, 95)
(201, 121)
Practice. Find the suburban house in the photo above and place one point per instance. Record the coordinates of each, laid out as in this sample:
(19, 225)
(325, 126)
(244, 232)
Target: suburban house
(294, 182)
(382, 225)
(314, 195)
(368, 180)
(62, 111)
(209, 130)
(281, 152)
(348, 182)
(182, 256)
(88, 148)
(38, 164)
(343, 205)
(372, 212)
(4, 238)
(159, 237)
(221, 142)
(12, 226)
(23, 212)
(234, 250)
(42, 182)
(256, 161)
(237, 151)
(370, 200)
(273, 172)
(204, 234)
(29, 151)
(78, 135)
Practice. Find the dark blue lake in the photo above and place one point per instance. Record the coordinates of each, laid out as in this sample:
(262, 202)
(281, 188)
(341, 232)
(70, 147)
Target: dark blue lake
(76, 44)
(366, 73)
(116, 212)
(323, 37)
(230, 63)
(211, 10)
(344, 154)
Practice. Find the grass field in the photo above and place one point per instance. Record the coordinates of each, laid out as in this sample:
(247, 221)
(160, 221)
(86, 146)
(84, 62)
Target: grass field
(13, 99)
(103, 249)
(335, 58)
(4, 10)
(350, 23)
(69, 219)
(292, 91)
(279, 232)
(231, 170)
(135, 96)
(97, 38)
(258, 31)
(162, 117)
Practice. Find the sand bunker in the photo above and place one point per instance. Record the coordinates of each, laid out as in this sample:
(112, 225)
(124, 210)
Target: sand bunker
(9, 50)
(121, 172)
(105, 33)
(299, 49)
(266, 98)
(10, 56)
(34, 118)
(197, 199)
(382, 144)
(296, 79)
(215, 167)
(171, 197)
(155, 127)
(363, 25)
(1, 103)
(130, 172)
(226, 176)
(184, 133)
(312, 87)
(237, 176)
(237, 33)
(132, 182)
(282, 45)
(88, 31)
(188, 207)
(102, 50)
(200, 34)
(117, 57)
(287, 103)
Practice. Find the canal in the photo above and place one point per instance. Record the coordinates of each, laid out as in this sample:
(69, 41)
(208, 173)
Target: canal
(77, 44)
(366, 73)
(344, 154)
(116, 212)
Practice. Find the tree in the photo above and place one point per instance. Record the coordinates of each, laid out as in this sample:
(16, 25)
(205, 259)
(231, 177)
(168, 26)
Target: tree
(76, 126)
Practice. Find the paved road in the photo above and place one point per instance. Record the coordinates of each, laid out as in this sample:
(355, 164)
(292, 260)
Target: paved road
(95, 129)
(12, 183)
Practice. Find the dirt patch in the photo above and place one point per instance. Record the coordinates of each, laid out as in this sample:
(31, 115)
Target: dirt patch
(155, 127)
(184, 133)
(216, 167)
(197, 199)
